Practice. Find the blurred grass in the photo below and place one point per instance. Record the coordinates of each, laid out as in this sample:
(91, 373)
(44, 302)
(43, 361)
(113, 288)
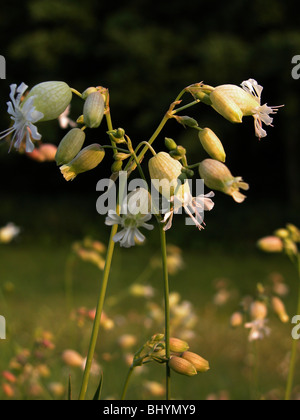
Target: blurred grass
(37, 271)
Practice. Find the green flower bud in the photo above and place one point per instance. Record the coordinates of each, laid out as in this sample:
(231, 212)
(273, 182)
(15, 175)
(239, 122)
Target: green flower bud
(70, 146)
(178, 153)
(197, 361)
(198, 92)
(186, 121)
(177, 345)
(87, 159)
(218, 177)
(212, 144)
(117, 166)
(182, 366)
(93, 110)
(170, 143)
(88, 91)
(51, 98)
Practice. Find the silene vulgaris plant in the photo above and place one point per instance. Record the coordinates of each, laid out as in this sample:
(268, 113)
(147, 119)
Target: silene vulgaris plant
(155, 200)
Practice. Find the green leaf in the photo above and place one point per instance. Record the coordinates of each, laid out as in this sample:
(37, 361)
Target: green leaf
(99, 389)
(69, 389)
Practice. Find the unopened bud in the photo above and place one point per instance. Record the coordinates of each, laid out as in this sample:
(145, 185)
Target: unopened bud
(72, 358)
(89, 157)
(282, 233)
(51, 98)
(197, 361)
(177, 345)
(212, 144)
(170, 144)
(70, 146)
(258, 310)
(198, 93)
(279, 309)
(182, 366)
(270, 244)
(93, 110)
(117, 166)
(186, 121)
(88, 91)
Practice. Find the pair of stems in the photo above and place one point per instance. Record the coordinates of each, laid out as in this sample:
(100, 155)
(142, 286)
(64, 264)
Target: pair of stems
(291, 374)
(108, 262)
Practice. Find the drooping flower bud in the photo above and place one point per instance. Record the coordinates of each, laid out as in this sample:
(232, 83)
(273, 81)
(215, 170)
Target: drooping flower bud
(218, 177)
(212, 144)
(116, 166)
(93, 110)
(166, 170)
(170, 143)
(177, 345)
(279, 309)
(87, 159)
(270, 244)
(182, 366)
(72, 358)
(70, 146)
(197, 361)
(200, 92)
(50, 98)
(88, 91)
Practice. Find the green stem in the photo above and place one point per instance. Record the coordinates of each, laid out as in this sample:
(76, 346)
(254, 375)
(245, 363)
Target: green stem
(186, 106)
(127, 383)
(101, 298)
(156, 133)
(76, 92)
(291, 375)
(99, 309)
(167, 306)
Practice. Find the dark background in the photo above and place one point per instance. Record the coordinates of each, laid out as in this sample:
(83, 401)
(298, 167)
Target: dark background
(145, 53)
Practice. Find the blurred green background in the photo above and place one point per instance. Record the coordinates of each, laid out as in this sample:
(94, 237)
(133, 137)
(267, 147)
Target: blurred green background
(145, 53)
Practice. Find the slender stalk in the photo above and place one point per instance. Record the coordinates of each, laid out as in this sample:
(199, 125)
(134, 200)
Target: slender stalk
(167, 307)
(291, 375)
(99, 309)
(186, 106)
(127, 383)
(101, 298)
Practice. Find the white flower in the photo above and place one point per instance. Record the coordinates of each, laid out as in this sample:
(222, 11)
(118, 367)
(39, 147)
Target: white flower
(193, 206)
(258, 329)
(8, 233)
(261, 113)
(24, 117)
(130, 219)
(64, 120)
